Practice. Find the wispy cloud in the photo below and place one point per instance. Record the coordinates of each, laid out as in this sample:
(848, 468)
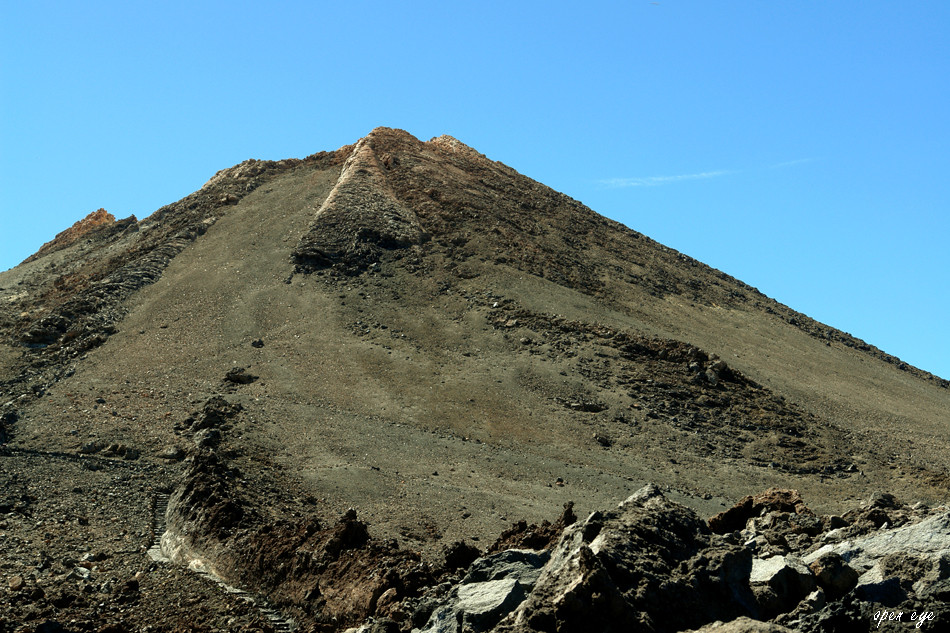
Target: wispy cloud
(655, 181)
(790, 163)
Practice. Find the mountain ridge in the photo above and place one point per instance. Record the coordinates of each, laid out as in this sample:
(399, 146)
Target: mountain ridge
(247, 174)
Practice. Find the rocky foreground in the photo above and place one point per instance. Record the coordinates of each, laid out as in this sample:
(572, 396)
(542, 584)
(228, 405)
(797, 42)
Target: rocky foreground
(767, 564)
(649, 565)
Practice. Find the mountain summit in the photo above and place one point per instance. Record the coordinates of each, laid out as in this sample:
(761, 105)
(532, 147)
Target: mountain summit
(424, 335)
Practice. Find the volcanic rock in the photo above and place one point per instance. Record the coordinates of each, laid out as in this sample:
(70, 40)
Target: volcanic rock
(928, 540)
(360, 217)
(743, 625)
(780, 583)
(620, 570)
(491, 589)
(834, 575)
(240, 376)
(97, 220)
(774, 499)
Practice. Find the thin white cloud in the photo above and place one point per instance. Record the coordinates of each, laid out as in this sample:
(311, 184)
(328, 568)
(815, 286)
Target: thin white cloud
(790, 163)
(655, 181)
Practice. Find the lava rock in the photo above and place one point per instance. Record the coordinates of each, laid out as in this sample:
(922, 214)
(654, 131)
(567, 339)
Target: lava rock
(780, 583)
(172, 453)
(743, 625)
(460, 555)
(493, 587)
(622, 570)
(834, 575)
(93, 447)
(207, 438)
(239, 376)
(774, 499)
(216, 412)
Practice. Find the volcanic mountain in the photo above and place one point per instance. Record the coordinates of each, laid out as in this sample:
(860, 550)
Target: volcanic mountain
(420, 334)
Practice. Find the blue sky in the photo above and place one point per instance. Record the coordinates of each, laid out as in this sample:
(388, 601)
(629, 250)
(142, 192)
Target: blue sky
(799, 146)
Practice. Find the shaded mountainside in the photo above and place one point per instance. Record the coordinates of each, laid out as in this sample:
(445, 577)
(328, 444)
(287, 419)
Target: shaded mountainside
(422, 334)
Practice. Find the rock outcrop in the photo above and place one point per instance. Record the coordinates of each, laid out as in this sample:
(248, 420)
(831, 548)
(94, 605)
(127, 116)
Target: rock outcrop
(493, 587)
(623, 570)
(653, 565)
(100, 220)
(361, 217)
(332, 575)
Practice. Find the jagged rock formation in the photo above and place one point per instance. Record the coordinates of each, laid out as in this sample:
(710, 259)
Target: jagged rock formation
(101, 222)
(331, 576)
(620, 571)
(360, 216)
(653, 565)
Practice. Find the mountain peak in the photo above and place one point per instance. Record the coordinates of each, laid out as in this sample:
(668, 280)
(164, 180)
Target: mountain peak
(95, 221)
(383, 132)
(452, 144)
(362, 213)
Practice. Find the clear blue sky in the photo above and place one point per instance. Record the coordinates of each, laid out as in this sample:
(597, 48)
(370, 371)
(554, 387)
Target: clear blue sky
(802, 147)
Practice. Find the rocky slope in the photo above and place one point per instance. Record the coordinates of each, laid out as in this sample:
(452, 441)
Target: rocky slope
(423, 335)
(654, 565)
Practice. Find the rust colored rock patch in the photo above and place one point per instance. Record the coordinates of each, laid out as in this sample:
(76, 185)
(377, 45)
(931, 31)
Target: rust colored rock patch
(91, 222)
(772, 500)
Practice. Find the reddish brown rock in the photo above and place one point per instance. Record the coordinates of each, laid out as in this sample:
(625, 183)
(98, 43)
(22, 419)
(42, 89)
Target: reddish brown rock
(91, 222)
(834, 575)
(772, 500)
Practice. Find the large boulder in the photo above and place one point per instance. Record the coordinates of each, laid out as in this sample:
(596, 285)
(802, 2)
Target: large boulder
(833, 574)
(772, 500)
(891, 563)
(493, 587)
(780, 583)
(632, 569)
